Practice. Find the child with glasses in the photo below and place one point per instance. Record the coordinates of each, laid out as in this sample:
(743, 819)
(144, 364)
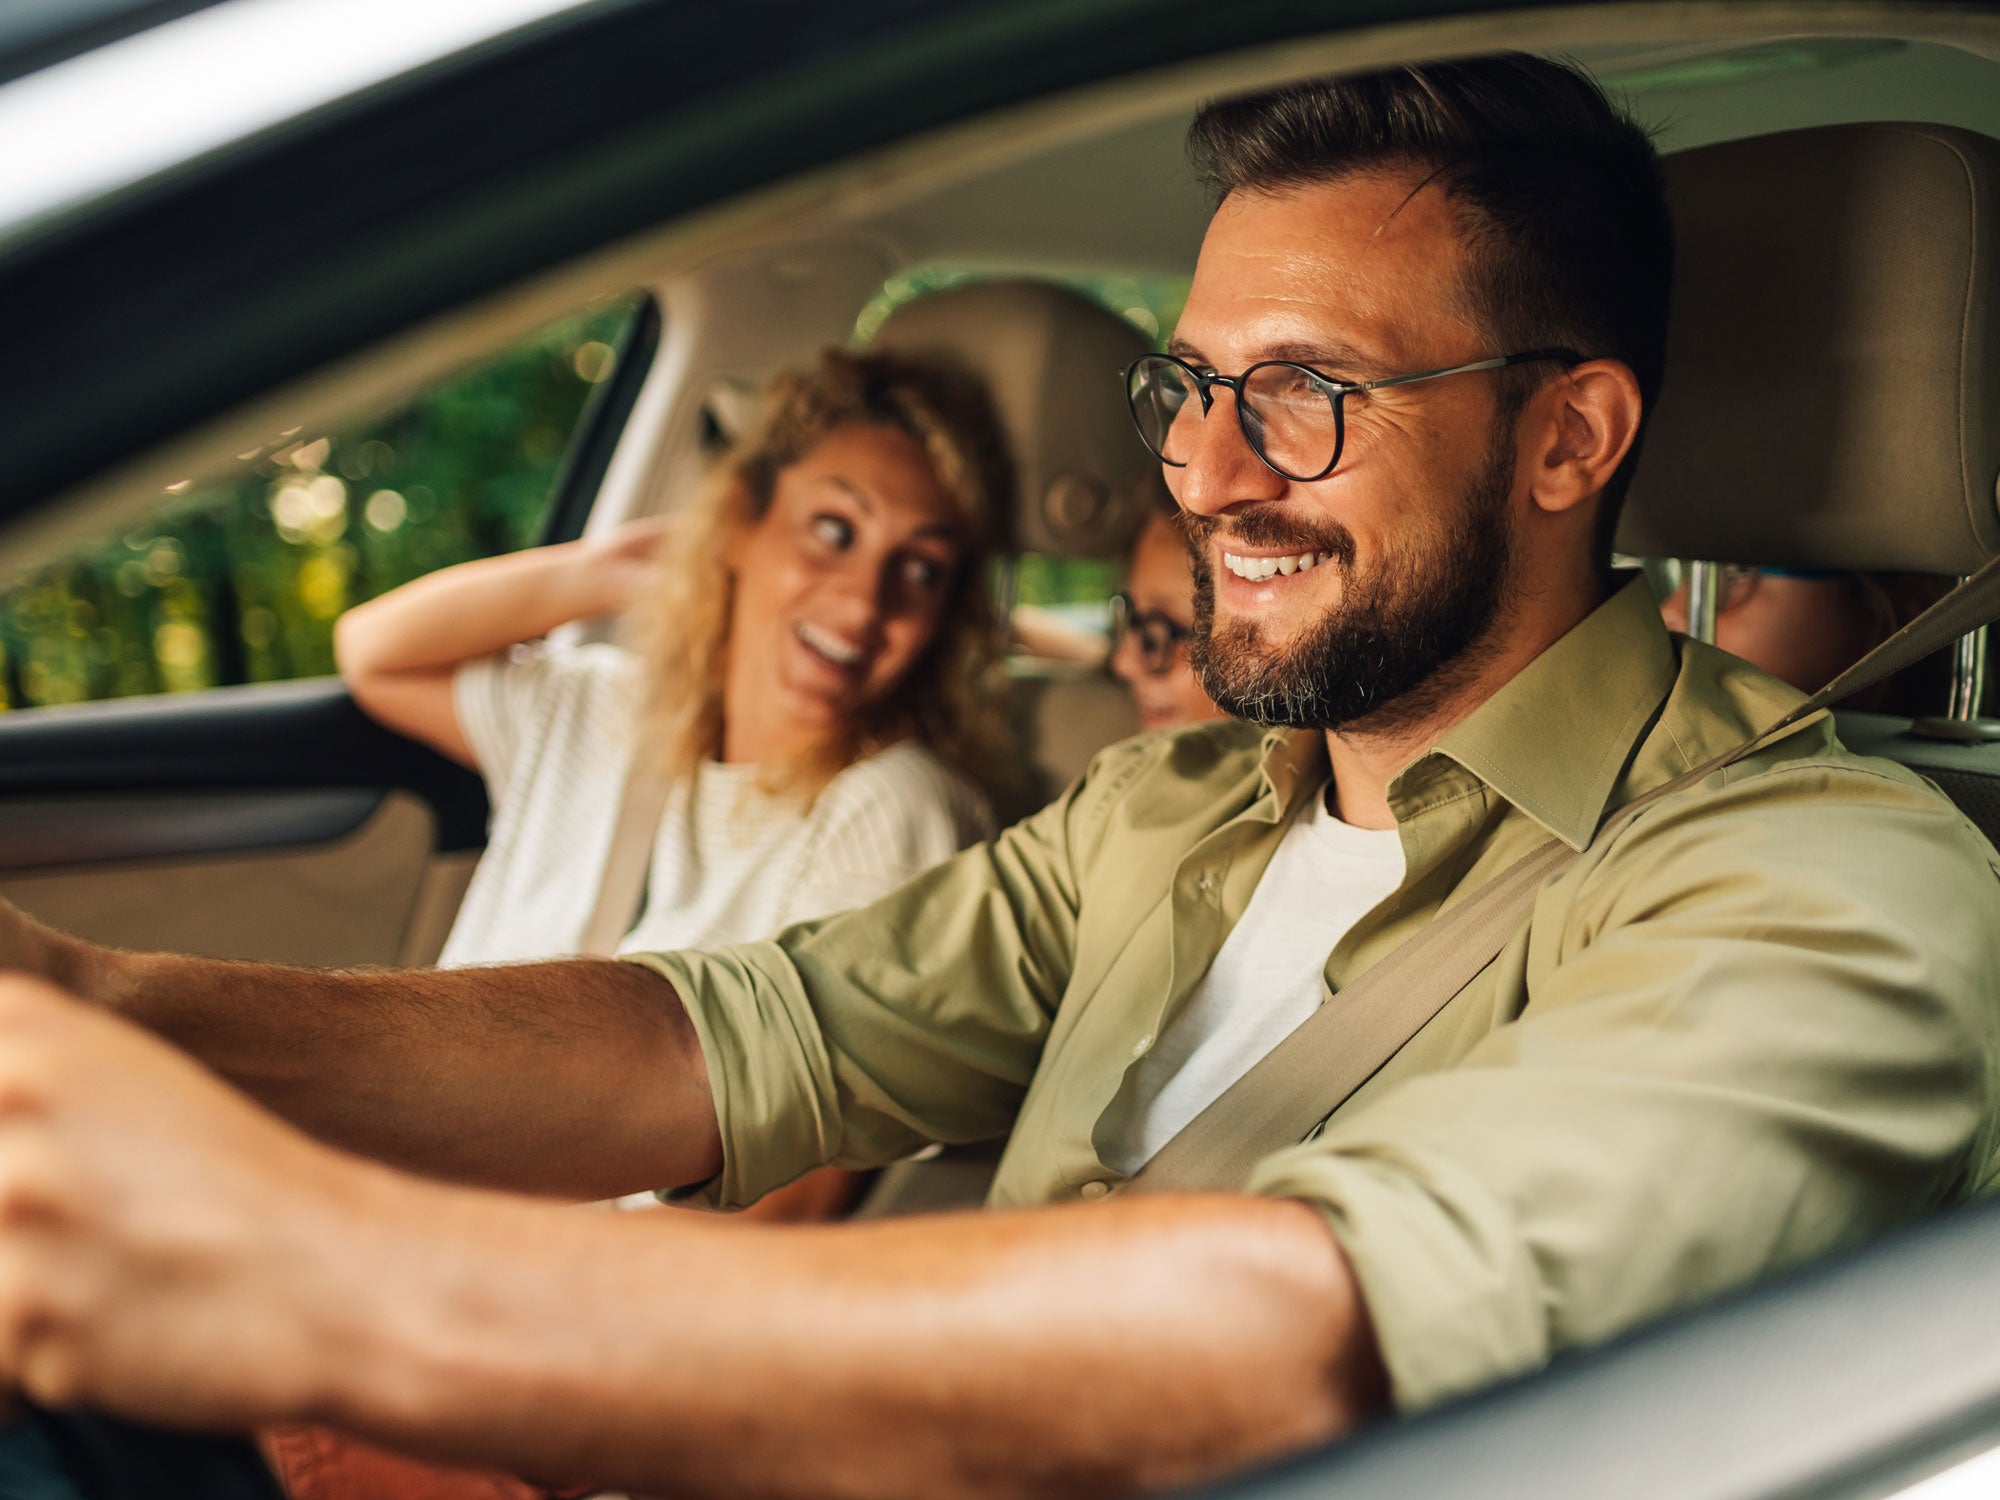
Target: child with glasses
(1150, 621)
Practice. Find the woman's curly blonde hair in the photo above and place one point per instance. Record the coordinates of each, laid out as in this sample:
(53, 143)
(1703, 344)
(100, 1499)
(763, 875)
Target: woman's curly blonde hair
(949, 700)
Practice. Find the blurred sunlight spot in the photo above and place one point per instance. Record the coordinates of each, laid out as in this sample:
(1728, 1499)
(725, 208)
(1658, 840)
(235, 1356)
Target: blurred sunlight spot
(291, 508)
(385, 510)
(180, 486)
(164, 559)
(323, 584)
(311, 455)
(179, 644)
(592, 361)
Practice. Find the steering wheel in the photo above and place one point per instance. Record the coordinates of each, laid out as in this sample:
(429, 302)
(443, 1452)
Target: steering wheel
(73, 1455)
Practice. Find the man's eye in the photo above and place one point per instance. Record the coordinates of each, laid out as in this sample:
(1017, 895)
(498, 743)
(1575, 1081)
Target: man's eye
(833, 531)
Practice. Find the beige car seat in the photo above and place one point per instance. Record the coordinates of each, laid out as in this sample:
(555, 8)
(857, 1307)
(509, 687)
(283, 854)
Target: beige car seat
(1052, 358)
(1832, 396)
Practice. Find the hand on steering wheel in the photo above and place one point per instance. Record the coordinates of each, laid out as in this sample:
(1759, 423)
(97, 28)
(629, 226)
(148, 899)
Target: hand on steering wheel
(167, 1248)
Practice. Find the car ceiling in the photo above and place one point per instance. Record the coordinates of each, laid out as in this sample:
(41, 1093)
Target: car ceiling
(1082, 179)
(1124, 201)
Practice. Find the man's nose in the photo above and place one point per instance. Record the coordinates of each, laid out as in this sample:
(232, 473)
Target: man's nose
(1221, 469)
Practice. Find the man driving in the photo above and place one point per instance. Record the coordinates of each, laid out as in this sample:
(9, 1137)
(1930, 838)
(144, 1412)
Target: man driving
(1750, 1025)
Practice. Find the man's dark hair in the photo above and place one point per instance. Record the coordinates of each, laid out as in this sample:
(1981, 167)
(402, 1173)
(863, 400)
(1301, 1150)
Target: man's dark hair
(1569, 241)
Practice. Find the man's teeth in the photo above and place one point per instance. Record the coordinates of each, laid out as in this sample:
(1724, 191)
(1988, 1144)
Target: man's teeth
(1258, 568)
(826, 643)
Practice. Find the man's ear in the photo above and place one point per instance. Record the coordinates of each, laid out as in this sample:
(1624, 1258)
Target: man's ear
(1590, 421)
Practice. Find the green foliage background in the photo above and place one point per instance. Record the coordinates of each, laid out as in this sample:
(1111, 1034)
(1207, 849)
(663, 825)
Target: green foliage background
(240, 578)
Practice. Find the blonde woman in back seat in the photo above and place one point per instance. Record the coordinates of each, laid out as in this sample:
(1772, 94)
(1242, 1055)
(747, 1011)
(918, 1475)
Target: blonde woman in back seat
(810, 685)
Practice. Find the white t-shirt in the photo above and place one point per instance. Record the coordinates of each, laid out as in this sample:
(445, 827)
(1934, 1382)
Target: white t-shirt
(554, 731)
(1268, 976)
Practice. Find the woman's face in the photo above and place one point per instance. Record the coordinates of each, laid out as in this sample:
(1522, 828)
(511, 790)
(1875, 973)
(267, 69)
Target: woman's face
(842, 584)
(1160, 582)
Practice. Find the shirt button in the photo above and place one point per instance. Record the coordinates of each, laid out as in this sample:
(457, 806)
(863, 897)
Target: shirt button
(1206, 884)
(1096, 1189)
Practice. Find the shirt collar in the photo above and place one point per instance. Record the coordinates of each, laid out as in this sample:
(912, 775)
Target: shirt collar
(1294, 763)
(1555, 739)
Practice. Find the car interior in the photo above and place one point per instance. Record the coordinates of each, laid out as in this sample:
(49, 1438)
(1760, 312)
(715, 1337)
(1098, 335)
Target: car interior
(325, 871)
(1832, 403)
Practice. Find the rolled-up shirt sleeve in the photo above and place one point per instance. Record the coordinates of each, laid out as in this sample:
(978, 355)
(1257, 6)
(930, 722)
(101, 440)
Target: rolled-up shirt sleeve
(920, 1018)
(1747, 1047)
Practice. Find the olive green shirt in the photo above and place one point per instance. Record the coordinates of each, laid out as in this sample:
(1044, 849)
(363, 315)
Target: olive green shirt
(1758, 1022)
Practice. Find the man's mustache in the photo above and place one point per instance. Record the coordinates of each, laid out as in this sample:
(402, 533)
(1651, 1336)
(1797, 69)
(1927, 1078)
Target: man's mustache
(1266, 527)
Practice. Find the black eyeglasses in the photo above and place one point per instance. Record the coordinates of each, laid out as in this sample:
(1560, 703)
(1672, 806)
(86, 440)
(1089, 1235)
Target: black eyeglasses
(1292, 417)
(1159, 635)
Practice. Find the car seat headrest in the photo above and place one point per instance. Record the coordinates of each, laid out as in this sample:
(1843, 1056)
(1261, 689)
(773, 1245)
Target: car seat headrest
(1832, 391)
(1052, 359)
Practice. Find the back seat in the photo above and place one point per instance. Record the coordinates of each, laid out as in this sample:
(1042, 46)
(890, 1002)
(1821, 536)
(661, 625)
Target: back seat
(1087, 484)
(1969, 774)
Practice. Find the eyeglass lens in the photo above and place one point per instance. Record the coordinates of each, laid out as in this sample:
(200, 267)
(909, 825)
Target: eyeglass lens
(1158, 637)
(1288, 419)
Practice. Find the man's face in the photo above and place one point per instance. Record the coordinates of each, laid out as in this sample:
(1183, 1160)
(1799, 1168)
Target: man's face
(1411, 535)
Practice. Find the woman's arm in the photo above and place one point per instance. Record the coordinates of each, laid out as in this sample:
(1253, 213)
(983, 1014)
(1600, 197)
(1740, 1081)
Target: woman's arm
(398, 653)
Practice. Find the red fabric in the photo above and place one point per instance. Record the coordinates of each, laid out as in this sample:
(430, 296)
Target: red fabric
(315, 1463)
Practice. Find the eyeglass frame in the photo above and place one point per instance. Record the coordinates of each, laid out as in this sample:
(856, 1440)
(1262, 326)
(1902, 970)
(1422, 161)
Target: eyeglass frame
(1336, 392)
(1128, 619)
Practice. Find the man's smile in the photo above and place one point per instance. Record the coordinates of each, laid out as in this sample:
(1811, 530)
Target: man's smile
(1257, 567)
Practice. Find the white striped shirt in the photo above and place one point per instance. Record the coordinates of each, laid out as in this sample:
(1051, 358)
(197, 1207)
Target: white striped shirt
(554, 730)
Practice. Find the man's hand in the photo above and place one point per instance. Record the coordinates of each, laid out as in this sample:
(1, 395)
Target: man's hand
(167, 1249)
(170, 1252)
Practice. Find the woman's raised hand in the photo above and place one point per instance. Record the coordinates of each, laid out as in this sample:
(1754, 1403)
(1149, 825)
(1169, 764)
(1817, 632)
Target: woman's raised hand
(397, 653)
(620, 562)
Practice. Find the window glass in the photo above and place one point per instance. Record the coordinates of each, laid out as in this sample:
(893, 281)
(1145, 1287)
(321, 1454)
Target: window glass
(238, 577)
(1152, 304)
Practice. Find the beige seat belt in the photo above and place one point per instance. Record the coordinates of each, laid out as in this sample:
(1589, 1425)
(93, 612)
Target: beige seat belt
(623, 883)
(1314, 1070)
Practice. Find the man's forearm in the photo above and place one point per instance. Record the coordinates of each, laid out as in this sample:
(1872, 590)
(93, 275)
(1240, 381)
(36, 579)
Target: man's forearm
(579, 1078)
(1070, 1351)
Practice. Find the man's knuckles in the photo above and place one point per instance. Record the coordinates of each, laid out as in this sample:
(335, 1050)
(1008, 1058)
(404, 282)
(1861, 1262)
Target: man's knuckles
(35, 1192)
(43, 1299)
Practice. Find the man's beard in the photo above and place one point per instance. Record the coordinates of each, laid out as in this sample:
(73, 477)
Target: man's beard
(1401, 637)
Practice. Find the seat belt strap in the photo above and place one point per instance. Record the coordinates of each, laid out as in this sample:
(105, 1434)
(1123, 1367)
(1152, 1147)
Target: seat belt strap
(622, 884)
(1329, 1055)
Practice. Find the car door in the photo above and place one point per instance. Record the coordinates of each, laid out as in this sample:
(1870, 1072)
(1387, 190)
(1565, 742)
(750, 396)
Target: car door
(270, 819)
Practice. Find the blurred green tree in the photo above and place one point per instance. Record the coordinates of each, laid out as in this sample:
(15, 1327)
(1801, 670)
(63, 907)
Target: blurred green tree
(239, 578)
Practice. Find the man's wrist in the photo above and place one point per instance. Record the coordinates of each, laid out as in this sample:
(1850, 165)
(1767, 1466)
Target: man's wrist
(400, 1305)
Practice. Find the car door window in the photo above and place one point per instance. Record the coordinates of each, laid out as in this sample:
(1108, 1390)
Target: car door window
(238, 577)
